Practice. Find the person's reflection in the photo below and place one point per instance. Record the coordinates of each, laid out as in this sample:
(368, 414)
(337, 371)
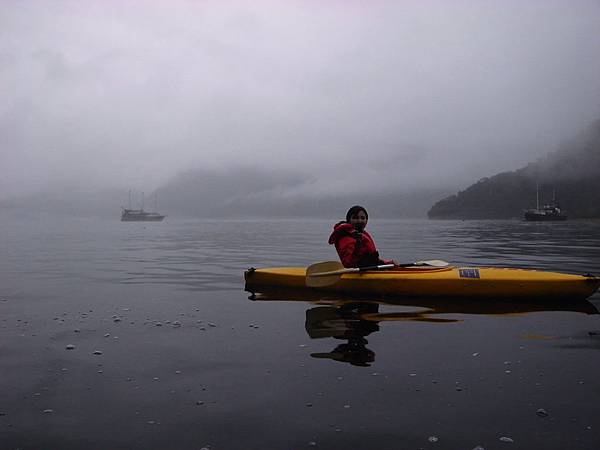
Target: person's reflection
(344, 322)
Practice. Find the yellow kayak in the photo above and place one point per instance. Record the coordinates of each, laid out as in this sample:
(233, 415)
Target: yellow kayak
(465, 282)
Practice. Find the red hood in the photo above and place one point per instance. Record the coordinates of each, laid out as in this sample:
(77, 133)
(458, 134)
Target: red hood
(341, 229)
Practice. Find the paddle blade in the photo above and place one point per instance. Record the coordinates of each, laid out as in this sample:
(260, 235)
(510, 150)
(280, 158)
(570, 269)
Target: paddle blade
(314, 277)
(321, 267)
(432, 263)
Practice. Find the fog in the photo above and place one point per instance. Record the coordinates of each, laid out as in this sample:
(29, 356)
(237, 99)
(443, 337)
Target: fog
(354, 96)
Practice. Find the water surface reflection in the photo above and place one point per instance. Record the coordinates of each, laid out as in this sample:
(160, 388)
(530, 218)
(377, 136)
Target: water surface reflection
(351, 320)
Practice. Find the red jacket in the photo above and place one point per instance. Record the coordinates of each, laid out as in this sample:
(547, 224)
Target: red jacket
(355, 249)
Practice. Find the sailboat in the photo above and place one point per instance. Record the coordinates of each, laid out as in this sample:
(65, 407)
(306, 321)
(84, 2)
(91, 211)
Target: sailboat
(546, 213)
(139, 215)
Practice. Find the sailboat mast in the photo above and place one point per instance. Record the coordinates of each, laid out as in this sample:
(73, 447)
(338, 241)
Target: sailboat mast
(537, 196)
(129, 198)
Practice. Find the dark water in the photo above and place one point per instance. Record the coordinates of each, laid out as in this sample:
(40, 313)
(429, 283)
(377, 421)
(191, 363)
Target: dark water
(188, 361)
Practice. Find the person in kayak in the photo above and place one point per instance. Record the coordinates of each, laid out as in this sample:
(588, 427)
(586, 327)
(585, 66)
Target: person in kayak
(354, 245)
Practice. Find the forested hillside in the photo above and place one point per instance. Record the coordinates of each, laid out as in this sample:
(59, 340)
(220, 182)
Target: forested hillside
(255, 192)
(572, 173)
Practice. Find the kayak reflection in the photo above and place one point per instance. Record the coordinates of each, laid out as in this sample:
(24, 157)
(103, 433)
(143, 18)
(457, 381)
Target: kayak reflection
(422, 309)
(353, 320)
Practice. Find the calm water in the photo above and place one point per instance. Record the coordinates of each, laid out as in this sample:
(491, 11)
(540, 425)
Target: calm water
(169, 351)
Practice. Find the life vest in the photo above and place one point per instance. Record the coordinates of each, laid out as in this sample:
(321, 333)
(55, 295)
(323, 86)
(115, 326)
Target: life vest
(355, 249)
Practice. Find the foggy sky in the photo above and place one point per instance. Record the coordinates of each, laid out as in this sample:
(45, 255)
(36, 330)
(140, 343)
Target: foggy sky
(357, 94)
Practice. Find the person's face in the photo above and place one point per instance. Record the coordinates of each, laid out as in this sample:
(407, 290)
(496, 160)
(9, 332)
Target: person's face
(359, 220)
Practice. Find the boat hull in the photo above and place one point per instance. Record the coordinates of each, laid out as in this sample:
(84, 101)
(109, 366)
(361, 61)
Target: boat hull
(142, 219)
(465, 282)
(139, 215)
(537, 217)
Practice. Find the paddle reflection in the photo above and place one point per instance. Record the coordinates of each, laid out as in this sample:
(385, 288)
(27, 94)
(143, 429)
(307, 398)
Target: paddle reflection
(344, 322)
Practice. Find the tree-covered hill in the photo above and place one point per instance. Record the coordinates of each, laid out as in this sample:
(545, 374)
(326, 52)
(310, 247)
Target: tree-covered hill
(256, 192)
(572, 174)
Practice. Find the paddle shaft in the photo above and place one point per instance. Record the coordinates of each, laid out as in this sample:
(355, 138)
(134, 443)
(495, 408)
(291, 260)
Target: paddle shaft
(352, 270)
(342, 270)
(329, 272)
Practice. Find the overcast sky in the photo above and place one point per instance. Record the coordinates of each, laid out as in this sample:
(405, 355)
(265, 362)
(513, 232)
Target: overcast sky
(356, 93)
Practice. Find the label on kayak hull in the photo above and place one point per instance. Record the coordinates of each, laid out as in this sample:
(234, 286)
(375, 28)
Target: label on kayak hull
(468, 273)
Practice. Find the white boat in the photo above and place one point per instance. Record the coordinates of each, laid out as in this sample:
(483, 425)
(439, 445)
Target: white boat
(139, 215)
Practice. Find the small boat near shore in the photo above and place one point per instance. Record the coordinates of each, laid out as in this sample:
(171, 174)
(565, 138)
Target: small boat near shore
(423, 281)
(140, 215)
(547, 213)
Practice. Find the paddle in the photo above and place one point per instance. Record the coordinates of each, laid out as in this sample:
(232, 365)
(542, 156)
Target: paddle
(329, 272)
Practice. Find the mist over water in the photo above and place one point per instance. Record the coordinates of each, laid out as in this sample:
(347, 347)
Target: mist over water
(355, 97)
(206, 254)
